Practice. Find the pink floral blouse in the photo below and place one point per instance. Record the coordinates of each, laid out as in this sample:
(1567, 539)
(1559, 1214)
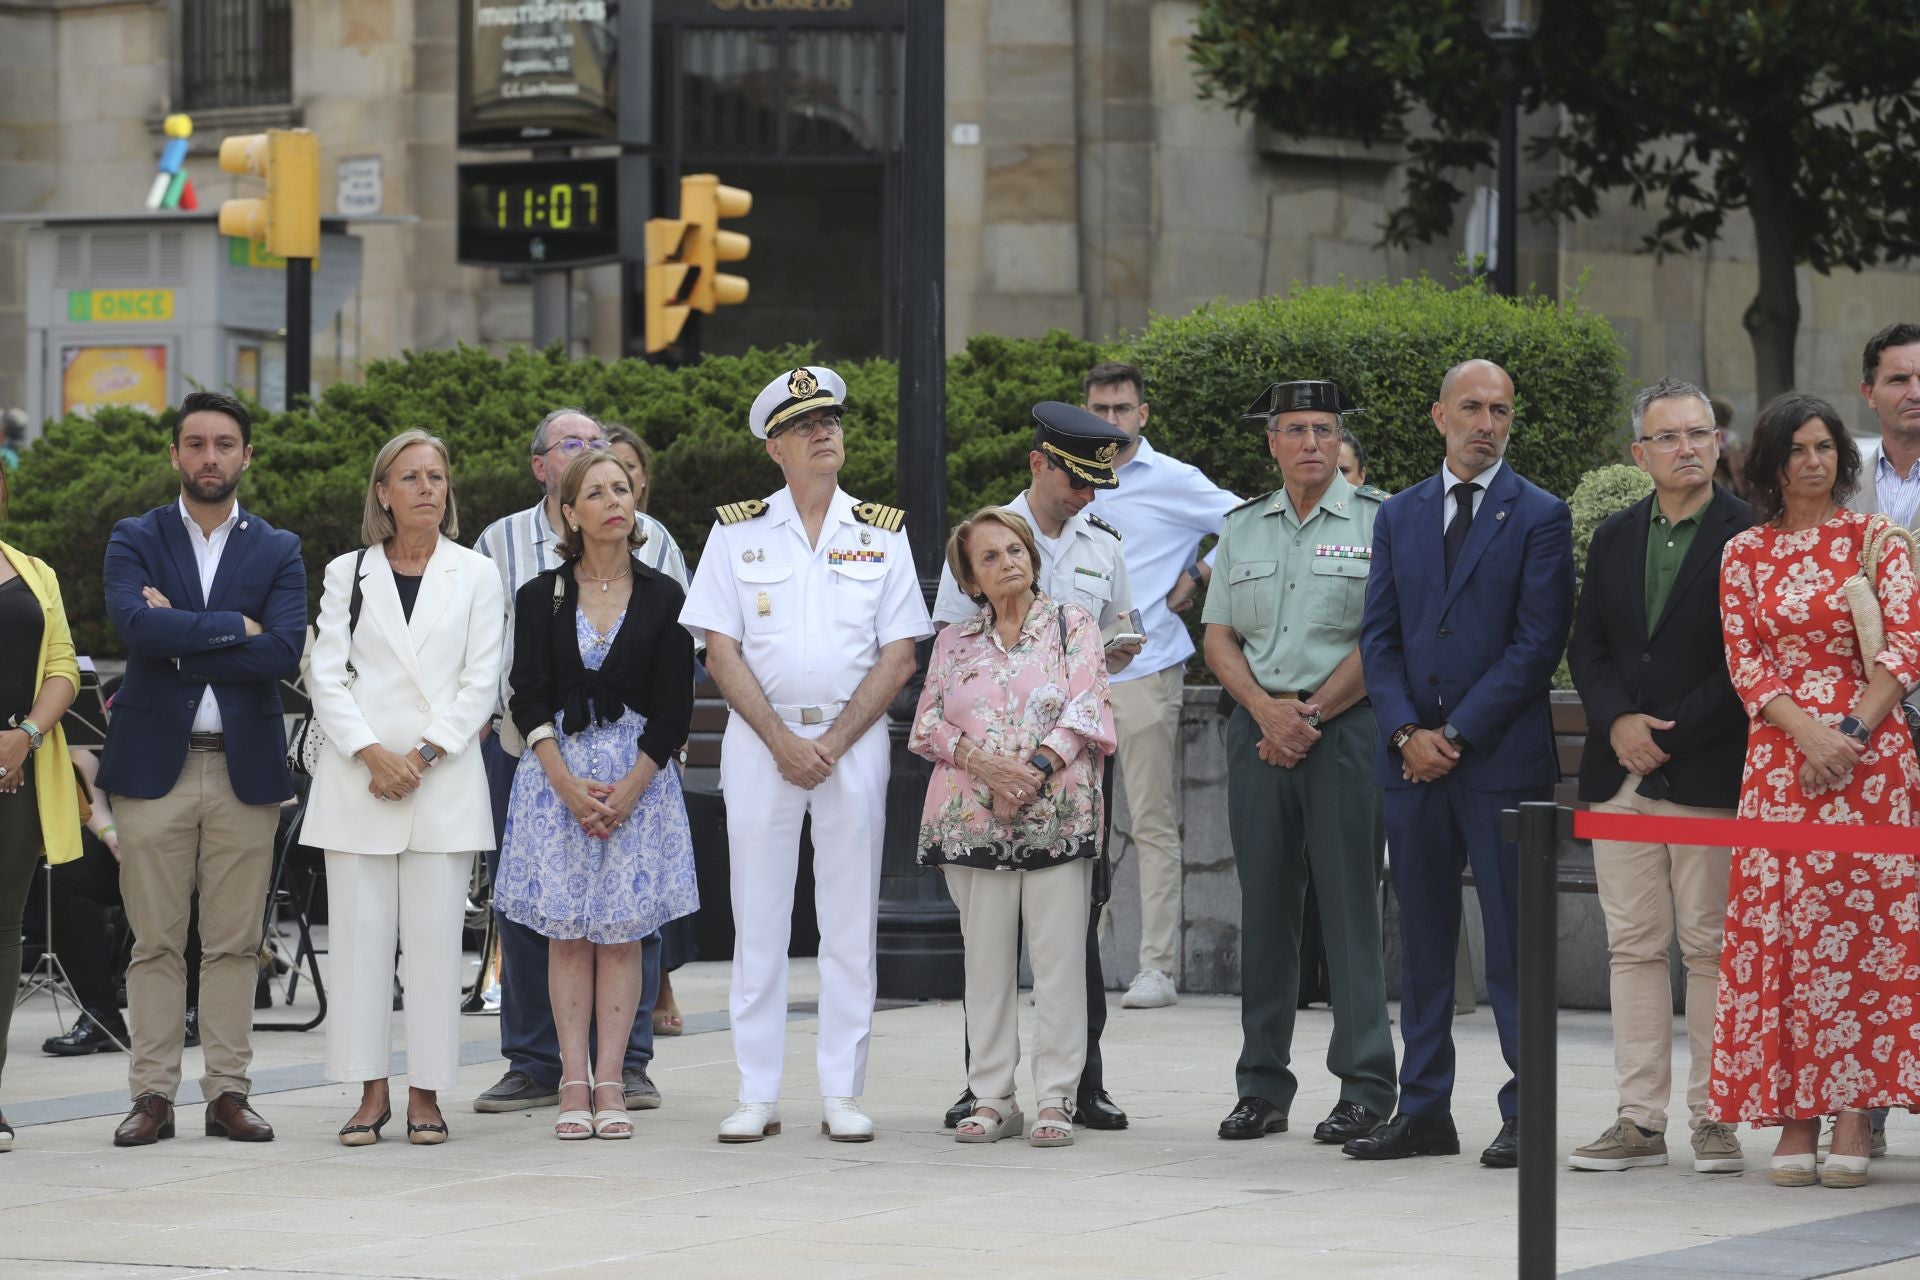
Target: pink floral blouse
(1014, 701)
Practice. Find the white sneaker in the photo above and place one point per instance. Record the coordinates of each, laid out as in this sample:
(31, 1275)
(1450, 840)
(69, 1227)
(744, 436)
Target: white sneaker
(750, 1122)
(842, 1120)
(1151, 989)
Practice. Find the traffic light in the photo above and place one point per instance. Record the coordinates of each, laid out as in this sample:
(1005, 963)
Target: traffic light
(287, 222)
(683, 257)
(670, 276)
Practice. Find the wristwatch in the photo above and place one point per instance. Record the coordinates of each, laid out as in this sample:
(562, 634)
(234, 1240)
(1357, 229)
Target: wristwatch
(428, 752)
(34, 736)
(1043, 762)
(1452, 735)
(1403, 735)
(1855, 730)
(1312, 718)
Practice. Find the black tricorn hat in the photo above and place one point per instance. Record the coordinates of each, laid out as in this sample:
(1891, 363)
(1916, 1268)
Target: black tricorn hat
(1294, 397)
(1082, 443)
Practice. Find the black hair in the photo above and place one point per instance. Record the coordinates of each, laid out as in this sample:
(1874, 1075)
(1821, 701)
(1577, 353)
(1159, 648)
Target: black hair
(1114, 371)
(1772, 445)
(1898, 334)
(214, 402)
(1352, 442)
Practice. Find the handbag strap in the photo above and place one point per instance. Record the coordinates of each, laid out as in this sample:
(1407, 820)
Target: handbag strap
(353, 609)
(1879, 530)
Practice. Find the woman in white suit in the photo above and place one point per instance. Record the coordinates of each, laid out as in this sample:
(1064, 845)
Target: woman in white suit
(399, 799)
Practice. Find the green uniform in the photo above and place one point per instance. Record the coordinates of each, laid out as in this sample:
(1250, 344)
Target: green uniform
(1293, 593)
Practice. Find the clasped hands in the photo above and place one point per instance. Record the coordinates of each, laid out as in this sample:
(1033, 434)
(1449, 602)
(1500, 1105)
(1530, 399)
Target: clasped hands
(1830, 757)
(1285, 735)
(155, 600)
(14, 744)
(394, 776)
(1014, 783)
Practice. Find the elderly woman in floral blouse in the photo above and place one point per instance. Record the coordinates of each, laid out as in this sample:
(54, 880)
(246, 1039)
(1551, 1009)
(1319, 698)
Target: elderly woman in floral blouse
(1015, 717)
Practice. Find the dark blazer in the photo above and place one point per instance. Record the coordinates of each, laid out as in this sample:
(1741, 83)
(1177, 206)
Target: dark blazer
(649, 668)
(173, 654)
(1678, 673)
(1477, 650)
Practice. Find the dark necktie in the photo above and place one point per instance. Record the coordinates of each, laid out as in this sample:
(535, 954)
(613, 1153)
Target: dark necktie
(1462, 522)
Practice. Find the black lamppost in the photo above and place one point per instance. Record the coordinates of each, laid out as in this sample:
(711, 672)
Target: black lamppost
(1510, 24)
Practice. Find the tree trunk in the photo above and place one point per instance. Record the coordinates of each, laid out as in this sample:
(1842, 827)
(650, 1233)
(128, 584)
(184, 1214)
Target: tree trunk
(1772, 319)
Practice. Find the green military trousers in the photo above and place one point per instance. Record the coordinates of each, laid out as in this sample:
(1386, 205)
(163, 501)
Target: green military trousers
(1321, 815)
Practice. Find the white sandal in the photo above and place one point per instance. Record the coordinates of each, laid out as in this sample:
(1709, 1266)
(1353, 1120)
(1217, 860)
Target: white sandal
(604, 1121)
(584, 1119)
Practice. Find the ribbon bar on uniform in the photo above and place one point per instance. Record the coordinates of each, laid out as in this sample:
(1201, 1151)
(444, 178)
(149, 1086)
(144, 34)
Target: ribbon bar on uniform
(1746, 833)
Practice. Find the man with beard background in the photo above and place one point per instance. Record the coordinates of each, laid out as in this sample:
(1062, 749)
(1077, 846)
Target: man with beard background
(211, 602)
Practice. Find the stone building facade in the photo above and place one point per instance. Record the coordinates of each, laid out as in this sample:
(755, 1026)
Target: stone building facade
(1088, 187)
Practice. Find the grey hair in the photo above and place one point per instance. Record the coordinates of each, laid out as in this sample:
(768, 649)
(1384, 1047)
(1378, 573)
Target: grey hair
(1666, 389)
(540, 445)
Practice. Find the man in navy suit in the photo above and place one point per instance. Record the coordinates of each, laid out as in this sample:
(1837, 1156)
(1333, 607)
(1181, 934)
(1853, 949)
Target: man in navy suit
(211, 602)
(1468, 604)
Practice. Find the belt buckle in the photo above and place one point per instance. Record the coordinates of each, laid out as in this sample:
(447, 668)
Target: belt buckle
(813, 715)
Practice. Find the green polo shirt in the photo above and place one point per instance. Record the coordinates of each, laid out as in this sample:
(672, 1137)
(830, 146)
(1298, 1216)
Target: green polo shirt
(1293, 590)
(1667, 543)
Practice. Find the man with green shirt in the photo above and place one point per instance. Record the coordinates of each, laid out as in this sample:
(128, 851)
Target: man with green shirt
(1666, 736)
(1282, 633)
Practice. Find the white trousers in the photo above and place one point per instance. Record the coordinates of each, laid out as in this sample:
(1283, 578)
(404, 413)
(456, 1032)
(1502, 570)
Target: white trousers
(365, 896)
(764, 813)
(1146, 717)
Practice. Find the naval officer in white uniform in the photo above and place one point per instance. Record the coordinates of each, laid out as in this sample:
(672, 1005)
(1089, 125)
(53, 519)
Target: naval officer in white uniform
(810, 608)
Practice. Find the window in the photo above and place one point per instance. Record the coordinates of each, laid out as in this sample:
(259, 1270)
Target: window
(236, 53)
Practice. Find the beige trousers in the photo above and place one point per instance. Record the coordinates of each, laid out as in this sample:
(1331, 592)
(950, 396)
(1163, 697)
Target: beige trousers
(1054, 905)
(199, 836)
(1647, 891)
(1146, 720)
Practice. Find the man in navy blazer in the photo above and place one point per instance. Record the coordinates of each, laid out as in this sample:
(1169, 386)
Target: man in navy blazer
(1468, 604)
(211, 602)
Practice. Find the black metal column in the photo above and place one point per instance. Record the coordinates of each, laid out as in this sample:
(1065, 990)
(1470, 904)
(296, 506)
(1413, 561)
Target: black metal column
(1540, 828)
(1507, 74)
(299, 331)
(920, 952)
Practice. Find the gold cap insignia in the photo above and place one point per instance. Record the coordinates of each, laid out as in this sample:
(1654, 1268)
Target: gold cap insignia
(1104, 454)
(801, 384)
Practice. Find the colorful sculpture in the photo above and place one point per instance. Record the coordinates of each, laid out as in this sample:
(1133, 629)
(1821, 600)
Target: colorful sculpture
(172, 189)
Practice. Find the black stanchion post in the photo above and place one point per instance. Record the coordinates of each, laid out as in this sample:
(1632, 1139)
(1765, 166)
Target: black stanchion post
(1540, 826)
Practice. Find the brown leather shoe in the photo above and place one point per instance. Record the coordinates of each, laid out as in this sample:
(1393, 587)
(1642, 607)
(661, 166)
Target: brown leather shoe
(231, 1116)
(150, 1120)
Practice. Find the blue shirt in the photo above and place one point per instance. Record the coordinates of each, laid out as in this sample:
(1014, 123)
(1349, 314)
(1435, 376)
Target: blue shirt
(1898, 496)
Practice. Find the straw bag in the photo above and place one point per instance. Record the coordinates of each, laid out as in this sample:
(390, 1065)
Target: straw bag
(1862, 601)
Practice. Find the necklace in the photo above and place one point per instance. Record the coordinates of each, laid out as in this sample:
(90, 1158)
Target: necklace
(582, 571)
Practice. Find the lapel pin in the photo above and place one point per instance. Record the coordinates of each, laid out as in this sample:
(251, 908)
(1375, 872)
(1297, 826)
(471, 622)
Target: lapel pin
(746, 557)
(1499, 515)
(243, 525)
(866, 539)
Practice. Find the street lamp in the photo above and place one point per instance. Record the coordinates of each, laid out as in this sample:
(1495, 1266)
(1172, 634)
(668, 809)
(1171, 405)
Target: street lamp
(1510, 25)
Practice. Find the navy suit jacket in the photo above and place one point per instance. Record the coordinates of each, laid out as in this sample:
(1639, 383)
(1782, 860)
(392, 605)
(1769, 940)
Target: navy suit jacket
(174, 655)
(1477, 650)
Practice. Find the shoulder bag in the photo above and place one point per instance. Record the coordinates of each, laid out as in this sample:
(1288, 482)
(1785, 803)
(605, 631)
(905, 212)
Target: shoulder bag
(309, 739)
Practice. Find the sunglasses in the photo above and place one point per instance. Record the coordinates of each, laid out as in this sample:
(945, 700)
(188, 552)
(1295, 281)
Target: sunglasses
(1074, 480)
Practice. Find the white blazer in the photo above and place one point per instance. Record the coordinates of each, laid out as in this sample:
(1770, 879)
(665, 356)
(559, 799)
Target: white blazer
(435, 677)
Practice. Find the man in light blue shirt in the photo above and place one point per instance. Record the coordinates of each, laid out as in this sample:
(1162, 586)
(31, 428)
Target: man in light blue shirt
(1162, 509)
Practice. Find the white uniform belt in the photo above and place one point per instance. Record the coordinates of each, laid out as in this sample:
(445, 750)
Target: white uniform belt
(809, 715)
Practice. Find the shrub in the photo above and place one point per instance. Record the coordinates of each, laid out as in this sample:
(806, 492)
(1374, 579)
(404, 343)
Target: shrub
(1600, 493)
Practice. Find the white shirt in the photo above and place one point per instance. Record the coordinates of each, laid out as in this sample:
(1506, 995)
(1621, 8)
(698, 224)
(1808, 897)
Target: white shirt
(1162, 509)
(1082, 566)
(810, 619)
(1447, 480)
(522, 547)
(1896, 495)
(206, 556)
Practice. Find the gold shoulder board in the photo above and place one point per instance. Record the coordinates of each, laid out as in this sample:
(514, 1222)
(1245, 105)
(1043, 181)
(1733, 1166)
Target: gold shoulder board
(1250, 502)
(1372, 491)
(880, 516)
(1098, 523)
(735, 512)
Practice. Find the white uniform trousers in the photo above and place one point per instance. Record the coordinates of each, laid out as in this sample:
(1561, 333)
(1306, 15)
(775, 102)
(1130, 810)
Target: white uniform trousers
(764, 813)
(373, 901)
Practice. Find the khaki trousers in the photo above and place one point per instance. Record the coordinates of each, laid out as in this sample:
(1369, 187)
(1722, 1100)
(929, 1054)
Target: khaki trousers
(1146, 720)
(1054, 905)
(1647, 891)
(199, 836)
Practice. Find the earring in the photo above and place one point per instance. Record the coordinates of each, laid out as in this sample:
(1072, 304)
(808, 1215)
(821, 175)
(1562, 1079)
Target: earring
(574, 527)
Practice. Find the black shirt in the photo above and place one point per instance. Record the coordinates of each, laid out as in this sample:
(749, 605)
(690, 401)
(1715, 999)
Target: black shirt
(21, 627)
(408, 584)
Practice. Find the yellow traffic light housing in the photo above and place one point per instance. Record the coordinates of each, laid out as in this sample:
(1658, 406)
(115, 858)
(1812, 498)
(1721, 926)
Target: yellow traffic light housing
(704, 200)
(670, 281)
(287, 222)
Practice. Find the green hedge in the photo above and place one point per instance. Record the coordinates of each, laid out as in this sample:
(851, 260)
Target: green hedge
(1388, 344)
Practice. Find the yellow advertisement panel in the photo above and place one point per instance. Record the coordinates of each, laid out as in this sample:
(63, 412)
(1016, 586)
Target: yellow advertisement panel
(95, 376)
(118, 306)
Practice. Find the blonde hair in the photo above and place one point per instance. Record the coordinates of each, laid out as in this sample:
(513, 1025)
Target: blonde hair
(376, 523)
(643, 484)
(958, 546)
(572, 481)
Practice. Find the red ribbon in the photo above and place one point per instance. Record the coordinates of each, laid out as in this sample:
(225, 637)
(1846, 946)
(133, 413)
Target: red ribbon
(1745, 833)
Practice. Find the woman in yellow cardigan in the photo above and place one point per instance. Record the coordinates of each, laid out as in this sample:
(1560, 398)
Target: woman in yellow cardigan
(39, 801)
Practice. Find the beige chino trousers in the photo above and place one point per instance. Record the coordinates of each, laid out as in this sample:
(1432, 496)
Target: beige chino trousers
(1146, 721)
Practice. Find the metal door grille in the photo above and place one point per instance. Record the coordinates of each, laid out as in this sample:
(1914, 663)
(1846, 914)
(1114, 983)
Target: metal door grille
(236, 53)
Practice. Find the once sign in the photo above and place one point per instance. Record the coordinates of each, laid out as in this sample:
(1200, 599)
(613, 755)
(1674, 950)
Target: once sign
(122, 306)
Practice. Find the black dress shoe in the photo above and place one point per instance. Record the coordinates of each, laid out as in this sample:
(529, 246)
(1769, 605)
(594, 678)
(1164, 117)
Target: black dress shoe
(1096, 1110)
(1505, 1151)
(193, 1028)
(1253, 1118)
(960, 1110)
(1347, 1121)
(1406, 1135)
(90, 1034)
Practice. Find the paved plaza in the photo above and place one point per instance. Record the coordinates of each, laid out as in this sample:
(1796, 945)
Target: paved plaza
(1164, 1199)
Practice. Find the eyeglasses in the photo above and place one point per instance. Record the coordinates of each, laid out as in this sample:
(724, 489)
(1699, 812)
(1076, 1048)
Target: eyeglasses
(810, 428)
(1669, 441)
(572, 447)
(1295, 432)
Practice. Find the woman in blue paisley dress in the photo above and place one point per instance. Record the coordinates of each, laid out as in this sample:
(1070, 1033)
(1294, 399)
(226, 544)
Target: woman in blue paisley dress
(598, 853)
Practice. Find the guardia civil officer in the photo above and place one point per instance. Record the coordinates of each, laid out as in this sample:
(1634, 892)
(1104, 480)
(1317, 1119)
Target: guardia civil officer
(1073, 455)
(1283, 633)
(810, 610)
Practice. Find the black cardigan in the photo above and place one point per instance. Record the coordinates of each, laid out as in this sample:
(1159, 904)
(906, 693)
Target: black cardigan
(649, 667)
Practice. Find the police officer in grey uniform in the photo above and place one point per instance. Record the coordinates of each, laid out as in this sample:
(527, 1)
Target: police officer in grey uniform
(1080, 561)
(1282, 633)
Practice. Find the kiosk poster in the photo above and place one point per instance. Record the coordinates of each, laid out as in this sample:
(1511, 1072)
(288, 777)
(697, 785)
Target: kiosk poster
(537, 71)
(94, 376)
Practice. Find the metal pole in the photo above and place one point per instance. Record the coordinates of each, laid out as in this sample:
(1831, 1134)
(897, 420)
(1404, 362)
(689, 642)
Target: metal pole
(636, 165)
(1506, 273)
(552, 308)
(299, 330)
(1540, 824)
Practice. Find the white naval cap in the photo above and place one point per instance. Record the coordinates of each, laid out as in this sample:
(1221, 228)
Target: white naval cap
(794, 393)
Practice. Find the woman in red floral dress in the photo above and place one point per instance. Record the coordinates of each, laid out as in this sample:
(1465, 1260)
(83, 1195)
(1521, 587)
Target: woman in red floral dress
(1819, 1003)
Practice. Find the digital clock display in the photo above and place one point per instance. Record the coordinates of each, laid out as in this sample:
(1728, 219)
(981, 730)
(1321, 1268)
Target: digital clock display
(538, 212)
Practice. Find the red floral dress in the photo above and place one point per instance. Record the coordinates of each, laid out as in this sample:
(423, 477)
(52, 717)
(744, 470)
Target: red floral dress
(1819, 1001)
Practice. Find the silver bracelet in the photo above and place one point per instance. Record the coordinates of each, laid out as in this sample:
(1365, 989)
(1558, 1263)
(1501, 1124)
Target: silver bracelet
(540, 733)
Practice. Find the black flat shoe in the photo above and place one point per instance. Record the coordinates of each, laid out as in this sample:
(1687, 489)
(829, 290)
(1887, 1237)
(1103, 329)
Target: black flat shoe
(1096, 1110)
(364, 1135)
(1253, 1118)
(1347, 1121)
(960, 1110)
(1406, 1135)
(1504, 1153)
(91, 1033)
(193, 1029)
(427, 1135)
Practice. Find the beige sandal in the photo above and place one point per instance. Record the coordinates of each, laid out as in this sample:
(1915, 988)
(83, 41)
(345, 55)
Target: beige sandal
(990, 1128)
(1062, 1130)
(582, 1119)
